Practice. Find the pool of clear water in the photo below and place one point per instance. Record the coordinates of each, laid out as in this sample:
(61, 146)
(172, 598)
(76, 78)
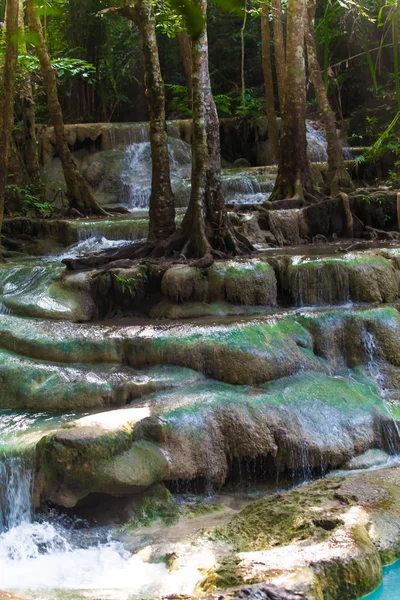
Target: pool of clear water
(390, 586)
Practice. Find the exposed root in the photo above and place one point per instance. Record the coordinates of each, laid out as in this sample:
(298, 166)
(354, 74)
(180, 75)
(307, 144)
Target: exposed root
(380, 234)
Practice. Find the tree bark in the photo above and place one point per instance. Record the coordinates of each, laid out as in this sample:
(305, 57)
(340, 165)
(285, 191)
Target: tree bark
(7, 97)
(269, 84)
(337, 174)
(294, 174)
(162, 202)
(186, 55)
(279, 45)
(78, 191)
(206, 224)
(31, 155)
(242, 61)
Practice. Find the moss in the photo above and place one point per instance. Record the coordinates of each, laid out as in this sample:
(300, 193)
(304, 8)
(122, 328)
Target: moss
(156, 504)
(353, 577)
(222, 576)
(282, 519)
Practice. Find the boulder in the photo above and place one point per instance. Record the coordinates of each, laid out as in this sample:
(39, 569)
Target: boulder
(327, 539)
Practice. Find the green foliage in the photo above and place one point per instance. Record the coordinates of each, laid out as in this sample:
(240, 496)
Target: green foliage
(30, 200)
(180, 100)
(28, 63)
(224, 104)
(132, 285)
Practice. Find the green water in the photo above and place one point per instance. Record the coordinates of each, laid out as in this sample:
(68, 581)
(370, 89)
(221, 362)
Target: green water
(390, 586)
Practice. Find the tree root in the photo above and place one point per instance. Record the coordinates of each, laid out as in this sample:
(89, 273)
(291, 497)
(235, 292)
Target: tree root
(233, 243)
(380, 234)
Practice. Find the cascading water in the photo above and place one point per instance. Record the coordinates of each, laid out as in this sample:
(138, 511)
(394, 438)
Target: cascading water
(317, 145)
(375, 373)
(322, 283)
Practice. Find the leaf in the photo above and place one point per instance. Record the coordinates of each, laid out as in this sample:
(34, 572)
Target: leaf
(236, 6)
(192, 15)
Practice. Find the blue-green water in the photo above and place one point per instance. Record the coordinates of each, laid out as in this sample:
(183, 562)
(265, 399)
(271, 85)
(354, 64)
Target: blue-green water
(390, 586)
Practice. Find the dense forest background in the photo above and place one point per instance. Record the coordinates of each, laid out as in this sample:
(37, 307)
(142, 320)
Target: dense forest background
(99, 62)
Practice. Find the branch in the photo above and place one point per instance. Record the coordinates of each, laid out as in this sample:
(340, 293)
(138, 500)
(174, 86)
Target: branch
(127, 11)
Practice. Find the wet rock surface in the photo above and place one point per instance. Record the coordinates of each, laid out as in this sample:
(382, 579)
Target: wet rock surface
(327, 539)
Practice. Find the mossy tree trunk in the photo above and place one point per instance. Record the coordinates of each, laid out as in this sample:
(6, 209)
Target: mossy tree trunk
(31, 155)
(272, 125)
(7, 97)
(294, 174)
(279, 47)
(78, 192)
(337, 174)
(162, 202)
(206, 225)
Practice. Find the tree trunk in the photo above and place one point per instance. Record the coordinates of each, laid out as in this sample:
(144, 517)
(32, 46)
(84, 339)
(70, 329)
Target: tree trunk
(186, 55)
(337, 174)
(242, 65)
(162, 202)
(269, 84)
(31, 155)
(206, 224)
(78, 191)
(279, 45)
(7, 97)
(294, 175)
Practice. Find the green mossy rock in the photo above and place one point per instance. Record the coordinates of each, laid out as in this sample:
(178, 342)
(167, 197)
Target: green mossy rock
(326, 540)
(358, 277)
(251, 283)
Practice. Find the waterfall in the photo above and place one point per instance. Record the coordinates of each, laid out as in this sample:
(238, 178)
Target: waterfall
(317, 145)
(16, 485)
(375, 372)
(322, 283)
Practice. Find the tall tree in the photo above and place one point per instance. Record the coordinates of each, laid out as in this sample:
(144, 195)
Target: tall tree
(337, 174)
(279, 47)
(7, 97)
(206, 229)
(294, 175)
(31, 155)
(272, 124)
(162, 202)
(78, 192)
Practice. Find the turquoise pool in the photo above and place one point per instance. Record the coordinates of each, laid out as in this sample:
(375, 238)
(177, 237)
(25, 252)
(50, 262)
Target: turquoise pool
(390, 586)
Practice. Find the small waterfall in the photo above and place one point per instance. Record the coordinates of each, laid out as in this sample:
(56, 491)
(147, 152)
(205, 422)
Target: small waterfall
(319, 284)
(316, 144)
(116, 230)
(244, 187)
(136, 177)
(16, 486)
(375, 372)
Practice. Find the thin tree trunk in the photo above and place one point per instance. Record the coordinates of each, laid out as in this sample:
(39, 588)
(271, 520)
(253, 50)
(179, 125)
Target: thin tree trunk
(242, 67)
(269, 84)
(206, 222)
(162, 202)
(337, 175)
(279, 45)
(31, 154)
(294, 175)
(186, 55)
(7, 97)
(78, 191)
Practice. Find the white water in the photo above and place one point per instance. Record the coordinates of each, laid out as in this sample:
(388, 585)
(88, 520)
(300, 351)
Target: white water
(374, 371)
(54, 556)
